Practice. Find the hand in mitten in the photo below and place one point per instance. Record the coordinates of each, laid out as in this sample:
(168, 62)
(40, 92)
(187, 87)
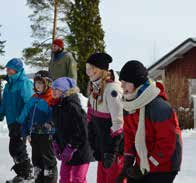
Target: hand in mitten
(118, 141)
(108, 159)
(56, 150)
(135, 173)
(68, 153)
(128, 163)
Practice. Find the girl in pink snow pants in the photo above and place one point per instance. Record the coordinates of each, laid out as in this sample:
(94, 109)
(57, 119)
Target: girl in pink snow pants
(70, 140)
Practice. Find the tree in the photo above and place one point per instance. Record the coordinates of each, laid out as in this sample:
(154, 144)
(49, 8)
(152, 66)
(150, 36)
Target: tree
(46, 14)
(78, 22)
(86, 34)
(2, 46)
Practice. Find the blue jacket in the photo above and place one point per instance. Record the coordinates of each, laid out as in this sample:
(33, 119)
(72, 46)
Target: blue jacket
(36, 116)
(16, 94)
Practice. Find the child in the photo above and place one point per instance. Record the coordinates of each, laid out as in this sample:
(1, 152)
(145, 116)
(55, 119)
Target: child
(37, 116)
(152, 133)
(105, 115)
(71, 141)
(16, 94)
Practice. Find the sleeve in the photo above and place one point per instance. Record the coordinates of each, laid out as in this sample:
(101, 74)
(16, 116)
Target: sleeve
(129, 138)
(72, 67)
(26, 91)
(2, 108)
(2, 111)
(24, 120)
(165, 142)
(24, 114)
(113, 100)
(79, 124)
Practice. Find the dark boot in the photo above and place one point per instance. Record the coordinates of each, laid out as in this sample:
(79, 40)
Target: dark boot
(50, 176)
(24, 170)
(38, 175)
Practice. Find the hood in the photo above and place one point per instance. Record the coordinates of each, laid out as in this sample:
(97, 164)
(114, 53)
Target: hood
(47, 96)
(162, 93)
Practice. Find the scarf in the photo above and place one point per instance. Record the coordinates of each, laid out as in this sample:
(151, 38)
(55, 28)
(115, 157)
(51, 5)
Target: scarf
(150, 93)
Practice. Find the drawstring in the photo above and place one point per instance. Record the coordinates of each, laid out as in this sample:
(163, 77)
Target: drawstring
(95, 104)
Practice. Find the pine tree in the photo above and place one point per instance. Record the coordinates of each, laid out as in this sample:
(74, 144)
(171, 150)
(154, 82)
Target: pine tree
(42, 20)
(2, 46)
(79, 23)
(86, 35)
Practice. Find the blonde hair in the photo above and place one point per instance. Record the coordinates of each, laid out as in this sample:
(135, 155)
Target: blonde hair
(105, 77)
(71, 91)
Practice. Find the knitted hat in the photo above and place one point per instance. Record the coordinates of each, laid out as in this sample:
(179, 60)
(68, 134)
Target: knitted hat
(59, 42)
(43, 74)
(15, 64)
(45, 77)
(134, 72)
(100, 60)
(64, 84)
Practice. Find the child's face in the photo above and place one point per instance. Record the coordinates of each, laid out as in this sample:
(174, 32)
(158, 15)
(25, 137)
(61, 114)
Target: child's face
(39, 85)
(10, 71)
(127, 87)
(56, 93)
(93, 72)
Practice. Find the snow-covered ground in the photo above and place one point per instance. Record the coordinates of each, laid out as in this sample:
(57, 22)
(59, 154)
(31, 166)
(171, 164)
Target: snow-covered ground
(187, 174)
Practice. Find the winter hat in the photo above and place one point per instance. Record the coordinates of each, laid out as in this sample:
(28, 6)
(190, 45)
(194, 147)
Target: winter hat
(64, 84)
(42, 74)
(134, 72)
(100, 60)
(15, 64)
(45, 77)
(59, 42)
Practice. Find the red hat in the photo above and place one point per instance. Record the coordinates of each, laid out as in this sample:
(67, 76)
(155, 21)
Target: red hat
(59, 42)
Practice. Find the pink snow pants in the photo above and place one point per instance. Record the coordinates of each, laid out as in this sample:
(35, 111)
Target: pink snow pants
(73, 174)
(109, 175)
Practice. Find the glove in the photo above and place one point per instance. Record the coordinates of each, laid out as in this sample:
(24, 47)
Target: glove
(135, 173)
(118, 143)
(68, 153)
(56, 150)
(128, 163)
(108, 159)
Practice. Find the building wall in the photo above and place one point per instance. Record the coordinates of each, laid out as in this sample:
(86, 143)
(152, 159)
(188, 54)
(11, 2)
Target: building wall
(176, 78)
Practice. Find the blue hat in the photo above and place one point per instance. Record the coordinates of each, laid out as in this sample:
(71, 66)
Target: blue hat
(64, 84)
(15, 64)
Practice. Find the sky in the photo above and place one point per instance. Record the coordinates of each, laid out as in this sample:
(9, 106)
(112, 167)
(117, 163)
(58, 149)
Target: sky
(134, 29)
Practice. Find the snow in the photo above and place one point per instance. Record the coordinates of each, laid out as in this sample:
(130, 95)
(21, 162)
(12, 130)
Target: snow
(187, 173)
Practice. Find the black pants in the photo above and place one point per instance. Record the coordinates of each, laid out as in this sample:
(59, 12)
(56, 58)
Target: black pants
(43, 158)
(156, 178)
(18, 151)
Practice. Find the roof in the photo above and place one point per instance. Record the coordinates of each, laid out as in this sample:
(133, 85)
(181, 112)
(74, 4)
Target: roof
(174, 54)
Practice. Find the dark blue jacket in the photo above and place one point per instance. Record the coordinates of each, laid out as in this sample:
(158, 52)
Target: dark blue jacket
(36, 116)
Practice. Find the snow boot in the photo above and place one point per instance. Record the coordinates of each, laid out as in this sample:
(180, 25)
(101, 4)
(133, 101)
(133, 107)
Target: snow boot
(50, 176)
(38, 175)
(24, 173)
(19, 179)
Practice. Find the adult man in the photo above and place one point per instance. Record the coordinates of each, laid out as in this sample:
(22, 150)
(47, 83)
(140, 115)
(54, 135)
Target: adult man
(62, 63)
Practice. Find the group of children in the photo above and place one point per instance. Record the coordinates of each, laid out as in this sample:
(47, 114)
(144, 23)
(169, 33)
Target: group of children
(129, 128)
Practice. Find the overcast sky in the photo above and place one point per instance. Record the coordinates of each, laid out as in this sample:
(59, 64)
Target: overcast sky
(134, 29)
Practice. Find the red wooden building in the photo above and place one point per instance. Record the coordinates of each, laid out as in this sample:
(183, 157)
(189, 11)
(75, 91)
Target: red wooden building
(177, 70)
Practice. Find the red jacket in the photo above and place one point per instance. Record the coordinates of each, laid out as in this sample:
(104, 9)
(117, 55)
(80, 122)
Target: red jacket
(163, 135)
